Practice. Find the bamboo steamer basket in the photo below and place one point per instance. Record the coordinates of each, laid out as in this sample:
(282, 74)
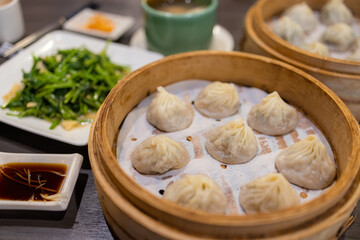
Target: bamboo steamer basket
(267, 9)
(341, 76)
(134, 213)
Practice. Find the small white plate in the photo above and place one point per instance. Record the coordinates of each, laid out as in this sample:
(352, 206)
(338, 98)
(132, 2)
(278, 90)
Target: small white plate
(79, 21)
(11, 72)
(222, 39)
(73, 162)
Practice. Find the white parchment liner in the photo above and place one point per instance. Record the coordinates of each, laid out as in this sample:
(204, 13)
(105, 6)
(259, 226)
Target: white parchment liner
(230, 178)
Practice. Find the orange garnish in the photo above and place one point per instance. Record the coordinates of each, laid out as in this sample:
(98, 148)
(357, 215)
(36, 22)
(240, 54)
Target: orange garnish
(100, 22)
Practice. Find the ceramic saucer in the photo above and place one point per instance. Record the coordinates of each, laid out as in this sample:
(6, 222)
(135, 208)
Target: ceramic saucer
(73, 163)
(79, 21)
(222, 39)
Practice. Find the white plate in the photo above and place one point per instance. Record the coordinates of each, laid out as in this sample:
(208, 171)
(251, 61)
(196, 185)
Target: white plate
(222, 39)
(73, 162)
(11, 72)
(79, 21)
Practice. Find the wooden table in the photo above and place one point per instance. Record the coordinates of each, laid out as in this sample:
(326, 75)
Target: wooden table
(83, 218)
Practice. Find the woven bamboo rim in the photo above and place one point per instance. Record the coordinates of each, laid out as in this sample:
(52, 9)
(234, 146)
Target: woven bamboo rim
(266, 9)
(125, 96)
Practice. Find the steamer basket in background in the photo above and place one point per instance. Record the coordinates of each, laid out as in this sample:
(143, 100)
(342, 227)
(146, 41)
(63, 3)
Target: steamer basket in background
(341, 76)
(134, 213)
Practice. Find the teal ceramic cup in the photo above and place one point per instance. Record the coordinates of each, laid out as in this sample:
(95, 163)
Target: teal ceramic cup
(170, 33)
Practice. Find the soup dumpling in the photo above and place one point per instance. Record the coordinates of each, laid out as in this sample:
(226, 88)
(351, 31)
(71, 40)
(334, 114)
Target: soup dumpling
(307, 164)
(317, 48)
(218, 100)
(335, 11)
(272, 116)
(339, 37)
(159, 154)
(354, 57)
(271, 192)
(289, 30)
(232, 143)
(197, 192)
(168, 113)
(303, 15)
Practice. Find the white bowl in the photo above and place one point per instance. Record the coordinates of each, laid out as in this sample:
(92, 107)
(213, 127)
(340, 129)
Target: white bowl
(73, 162)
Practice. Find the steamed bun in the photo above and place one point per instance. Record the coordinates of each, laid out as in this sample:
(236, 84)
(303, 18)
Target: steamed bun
(339, 37)
(197, 192)
(272, 116)
(289, 30)
(232, 143)
(317, 48)
(307, 164)
(159, 154)
(302, 14)
(168, 113)
(268, 193)
(218, 100)
(354, 57)
(335, 11)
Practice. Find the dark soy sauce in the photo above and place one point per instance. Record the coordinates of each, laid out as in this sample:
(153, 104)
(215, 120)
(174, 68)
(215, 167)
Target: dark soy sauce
(27, 181)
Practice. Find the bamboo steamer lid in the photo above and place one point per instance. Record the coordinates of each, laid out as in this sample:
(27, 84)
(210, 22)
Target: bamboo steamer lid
(133, 212)
(345, 85)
